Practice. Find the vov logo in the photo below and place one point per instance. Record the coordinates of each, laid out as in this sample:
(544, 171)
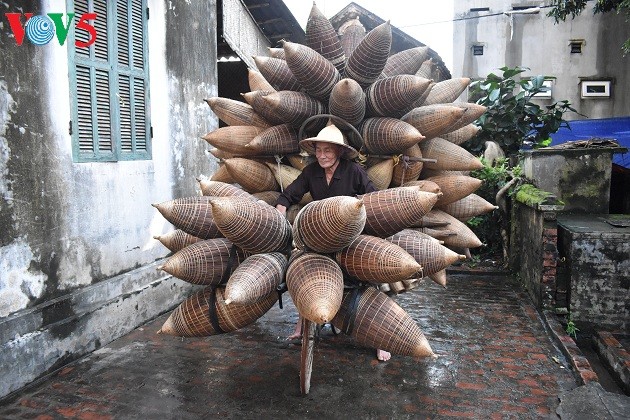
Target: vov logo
(41, 29)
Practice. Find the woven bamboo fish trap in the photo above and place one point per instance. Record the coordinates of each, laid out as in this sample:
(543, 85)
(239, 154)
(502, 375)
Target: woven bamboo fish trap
(251, 175)
(285, 175)
(439, 233)
(255, 99)
(192, 317)
(277, 53)
(367, 61)
(193, 215)
(390, 97)
(405, 62)
(439, 277)
(424, 185)
(462, 135)
(315, 73)
(253, 226)
(277, 140)
(233, 139)
(428, 252)
(255, 278)
(433, 120)
(425, 95)
(470, 206)
(407, 170)
(203, 262)
(472, 112)
(315, 283)
(329, 225)
(221, 189)
(293, 211)
(222, 175)
(347, 101)
(295, 107)
(322, 37)
(455, 187)
(463, 238)
(432, 173)
(234, 112)
(220, 154)
(257, 81)
(381, 173)
(376, 260)
(449, 156)
(427, 69)
(300, 161)
(374, 320)
(384, 135)
(395, 209)
(277, 73)
(351, 34)
(447, 90)
(269, 197)
(176, 239)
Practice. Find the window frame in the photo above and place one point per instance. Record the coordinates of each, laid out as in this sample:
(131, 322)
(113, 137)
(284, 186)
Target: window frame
(138, 140)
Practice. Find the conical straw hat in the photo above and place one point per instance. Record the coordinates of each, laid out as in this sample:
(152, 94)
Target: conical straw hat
(255, 278)
(376, 260)
(176, 240)
(378, 322)
(332, 135)
(192, 319)
(315, 283)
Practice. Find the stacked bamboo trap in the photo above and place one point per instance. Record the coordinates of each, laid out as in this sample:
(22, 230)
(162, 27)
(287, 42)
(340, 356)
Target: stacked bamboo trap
(232, 240)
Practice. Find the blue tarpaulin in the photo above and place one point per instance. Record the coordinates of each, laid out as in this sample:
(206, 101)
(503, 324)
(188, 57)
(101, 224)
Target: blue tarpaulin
(609, 128)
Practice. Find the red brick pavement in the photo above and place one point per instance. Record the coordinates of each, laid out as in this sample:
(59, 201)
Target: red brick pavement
(496, 361)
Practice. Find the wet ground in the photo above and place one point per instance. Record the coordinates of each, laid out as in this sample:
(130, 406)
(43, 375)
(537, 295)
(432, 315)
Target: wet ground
(496, 361)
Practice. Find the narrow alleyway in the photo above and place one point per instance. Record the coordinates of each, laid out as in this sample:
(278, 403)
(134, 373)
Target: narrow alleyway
(496, 361)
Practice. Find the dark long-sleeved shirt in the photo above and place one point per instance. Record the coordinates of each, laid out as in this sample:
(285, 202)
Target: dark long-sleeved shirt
(349, 179)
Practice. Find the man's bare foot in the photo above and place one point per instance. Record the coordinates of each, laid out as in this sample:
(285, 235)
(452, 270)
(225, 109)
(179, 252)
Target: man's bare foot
(383, 355)
(297, 332)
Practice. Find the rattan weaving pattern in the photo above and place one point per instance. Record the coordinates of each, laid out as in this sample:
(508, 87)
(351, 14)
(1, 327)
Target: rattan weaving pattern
(381, 173)
(295, 107)
(315, 73)
(449, 156)
(330, 224)
(300, 161)
(253, 226)
(454, 187)
(447, 90)
(277, 53)
(405, 62)
(380, 323)
(251, 175)
(433, 120)
(277, 140)
(462, 135)
(258, 82)
(463, 238)
(221, 189)
(193, 215)
(470, 206)
(255, 278)
(269, 197)
(427, 251)
(384, 135)
(177, 239)
(471, 114)
(315, 283)
(255, 99)
(233, 139)
(390, 97)
(427, 69)
(222, 175)
(277, 73)
(367, 61)
(395, 209)
(424, 185)
(191, 319)
(203, 262)
(351, 34)
(234, 112)
(376, 260)
(322, 37)
(347, 101)
(407, 170)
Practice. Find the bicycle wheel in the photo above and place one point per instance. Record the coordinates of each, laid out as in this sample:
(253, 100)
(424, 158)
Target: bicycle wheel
(306, 357)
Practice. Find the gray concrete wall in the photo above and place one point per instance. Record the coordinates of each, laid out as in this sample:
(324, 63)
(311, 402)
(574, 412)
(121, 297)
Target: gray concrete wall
(534, 41)
(77, 256)
(528, 244)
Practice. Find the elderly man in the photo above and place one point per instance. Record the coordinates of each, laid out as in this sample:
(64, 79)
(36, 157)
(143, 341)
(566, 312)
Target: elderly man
(332, 175)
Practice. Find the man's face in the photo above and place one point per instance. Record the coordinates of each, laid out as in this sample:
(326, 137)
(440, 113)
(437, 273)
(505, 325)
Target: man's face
(327, 154)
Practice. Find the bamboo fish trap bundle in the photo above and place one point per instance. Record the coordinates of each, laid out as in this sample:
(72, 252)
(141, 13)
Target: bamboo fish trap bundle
(176, 239)
(255, 278)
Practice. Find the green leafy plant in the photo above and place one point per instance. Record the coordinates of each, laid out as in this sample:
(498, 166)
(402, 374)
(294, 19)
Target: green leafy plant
(571, 328)
(512, 116)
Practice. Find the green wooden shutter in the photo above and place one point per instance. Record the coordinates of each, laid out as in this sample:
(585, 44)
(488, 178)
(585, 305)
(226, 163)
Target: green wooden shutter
(109, 83)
